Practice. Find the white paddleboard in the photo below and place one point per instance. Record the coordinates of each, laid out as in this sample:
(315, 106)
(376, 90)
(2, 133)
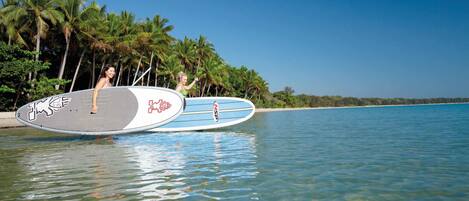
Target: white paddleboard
(209, 113)
(120, 110)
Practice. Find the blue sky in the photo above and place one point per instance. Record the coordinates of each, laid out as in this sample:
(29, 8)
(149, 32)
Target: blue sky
(411, 49)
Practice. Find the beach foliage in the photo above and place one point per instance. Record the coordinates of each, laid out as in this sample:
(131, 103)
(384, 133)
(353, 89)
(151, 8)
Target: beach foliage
(15, 88)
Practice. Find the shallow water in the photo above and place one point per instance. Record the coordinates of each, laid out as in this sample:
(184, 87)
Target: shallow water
(389, 153)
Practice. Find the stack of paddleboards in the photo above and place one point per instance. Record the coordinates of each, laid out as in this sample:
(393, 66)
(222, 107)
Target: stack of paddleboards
(132, 109)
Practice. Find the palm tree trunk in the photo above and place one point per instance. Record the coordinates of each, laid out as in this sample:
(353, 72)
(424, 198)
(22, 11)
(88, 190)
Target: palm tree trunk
(76, 70)
(89, 83)
(102, 66)
(203, 88)
(18, 93)
(64, 61)
(149, 73)
(38, 44)
(36, 57)
(120, 73)
(118, 69)
(208, 90)
(138, 67)
(94, 69)
(128, 76)
(148, 78)
(9, 40)
(38, 48)
(156, 71)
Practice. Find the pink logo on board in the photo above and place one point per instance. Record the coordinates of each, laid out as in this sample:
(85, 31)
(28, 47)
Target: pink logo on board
(158, 106)
(216, 112)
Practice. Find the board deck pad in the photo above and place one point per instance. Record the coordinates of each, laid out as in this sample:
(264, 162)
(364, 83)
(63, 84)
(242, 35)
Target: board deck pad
(120, 110)
(209, 113)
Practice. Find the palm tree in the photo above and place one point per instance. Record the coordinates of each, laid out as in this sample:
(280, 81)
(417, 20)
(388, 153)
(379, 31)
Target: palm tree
(96, 29)
(209, 74)
(143, 42)
(204, 50)
(84, 26)
(119, 36)
(13, 25)
(249, 80)
(125, 38)
(40, 12)
(220, 80)
(259, 86)
(37, 13)
(161, 40)
(170, 68)
(186, 52)
(153, 38)
(75, 16)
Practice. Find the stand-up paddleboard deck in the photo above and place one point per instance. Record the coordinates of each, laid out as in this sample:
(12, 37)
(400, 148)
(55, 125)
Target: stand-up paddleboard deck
(210, 112)
(120, 110)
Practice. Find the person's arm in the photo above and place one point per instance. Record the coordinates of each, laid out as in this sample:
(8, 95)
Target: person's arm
(192, 84)
(100, 85)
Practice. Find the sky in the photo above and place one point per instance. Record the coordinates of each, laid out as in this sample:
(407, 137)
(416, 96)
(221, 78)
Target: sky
(359, 48)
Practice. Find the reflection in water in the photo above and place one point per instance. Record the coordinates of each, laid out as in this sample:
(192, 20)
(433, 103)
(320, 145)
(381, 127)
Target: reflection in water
(160, 171)
(155, 166)
(91, 170)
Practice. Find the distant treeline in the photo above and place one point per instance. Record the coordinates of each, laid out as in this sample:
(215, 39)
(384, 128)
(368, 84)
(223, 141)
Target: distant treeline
(286, 98)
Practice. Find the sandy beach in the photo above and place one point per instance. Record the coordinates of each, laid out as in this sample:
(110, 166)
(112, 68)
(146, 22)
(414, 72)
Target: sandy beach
(260, 110)
(8, 120)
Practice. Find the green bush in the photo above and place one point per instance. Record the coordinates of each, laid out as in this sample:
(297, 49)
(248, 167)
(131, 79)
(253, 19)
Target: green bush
(17, 84)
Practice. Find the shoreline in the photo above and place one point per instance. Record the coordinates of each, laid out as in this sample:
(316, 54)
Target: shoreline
(8, 120)
(262, 110)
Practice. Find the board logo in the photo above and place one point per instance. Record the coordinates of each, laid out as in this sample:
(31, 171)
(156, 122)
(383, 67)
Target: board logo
(47, 106)
(216, 112)
(159, 106)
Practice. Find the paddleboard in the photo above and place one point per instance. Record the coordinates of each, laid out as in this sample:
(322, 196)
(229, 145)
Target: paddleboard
(205, 113)
(120, 110)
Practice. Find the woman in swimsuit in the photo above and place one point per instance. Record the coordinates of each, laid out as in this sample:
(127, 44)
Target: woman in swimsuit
(182, 81)
(105, 80)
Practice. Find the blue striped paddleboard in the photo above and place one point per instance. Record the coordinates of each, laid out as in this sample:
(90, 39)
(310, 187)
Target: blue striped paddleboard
(205, 113)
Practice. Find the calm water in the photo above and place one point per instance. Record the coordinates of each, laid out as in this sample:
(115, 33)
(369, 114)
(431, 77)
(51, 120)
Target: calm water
(390, 153)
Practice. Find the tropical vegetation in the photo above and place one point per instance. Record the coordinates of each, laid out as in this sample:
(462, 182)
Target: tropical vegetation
(286, 98)
(56, 46)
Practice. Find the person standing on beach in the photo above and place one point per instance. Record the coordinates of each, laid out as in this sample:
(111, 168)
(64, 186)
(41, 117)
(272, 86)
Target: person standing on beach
(181, 87)
(105, 80)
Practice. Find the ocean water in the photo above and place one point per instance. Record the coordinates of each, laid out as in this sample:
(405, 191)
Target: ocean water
(382, 153)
